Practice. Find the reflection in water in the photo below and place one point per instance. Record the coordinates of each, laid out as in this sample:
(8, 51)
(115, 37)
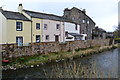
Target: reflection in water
(104, 65)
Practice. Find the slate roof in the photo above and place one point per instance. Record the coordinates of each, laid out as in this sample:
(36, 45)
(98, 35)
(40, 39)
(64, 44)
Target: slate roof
(75, 34)
(43, 15)
(14, 15)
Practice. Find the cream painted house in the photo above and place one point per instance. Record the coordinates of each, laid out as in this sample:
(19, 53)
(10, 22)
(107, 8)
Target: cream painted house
(53, 31)
(36, 25)
(16, 28)
(51, 26)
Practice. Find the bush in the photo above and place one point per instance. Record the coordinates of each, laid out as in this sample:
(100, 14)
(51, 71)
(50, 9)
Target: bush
(117, 40)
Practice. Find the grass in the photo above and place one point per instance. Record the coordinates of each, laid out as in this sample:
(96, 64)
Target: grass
(55, 57)
(76, 70)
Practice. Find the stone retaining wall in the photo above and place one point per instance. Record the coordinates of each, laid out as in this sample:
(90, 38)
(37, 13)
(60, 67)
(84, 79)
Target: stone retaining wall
(12, 50)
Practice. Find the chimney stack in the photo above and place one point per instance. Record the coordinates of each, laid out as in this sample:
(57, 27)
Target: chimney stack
(84, 11)
(20, 8)
(1, 9)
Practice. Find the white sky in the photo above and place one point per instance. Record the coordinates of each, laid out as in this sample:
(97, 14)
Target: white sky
(103, 12)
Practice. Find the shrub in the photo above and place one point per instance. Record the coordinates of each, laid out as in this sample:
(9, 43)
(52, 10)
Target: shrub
(117, 40)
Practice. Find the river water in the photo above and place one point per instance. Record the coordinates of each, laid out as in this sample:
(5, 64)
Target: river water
(103, 65)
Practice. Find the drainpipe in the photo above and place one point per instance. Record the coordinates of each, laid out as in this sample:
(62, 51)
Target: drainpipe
(31, 31)
(42, 30)
(63, 32)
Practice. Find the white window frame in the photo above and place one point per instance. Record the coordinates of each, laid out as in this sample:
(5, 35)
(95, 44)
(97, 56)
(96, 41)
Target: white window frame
(19, 26)
(37, 26)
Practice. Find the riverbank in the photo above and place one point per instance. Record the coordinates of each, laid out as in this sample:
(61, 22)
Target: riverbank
(42, 59)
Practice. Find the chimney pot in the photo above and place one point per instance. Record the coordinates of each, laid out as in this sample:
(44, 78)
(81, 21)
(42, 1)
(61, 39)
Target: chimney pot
(20, 8)
(84, 11)
(20, 4)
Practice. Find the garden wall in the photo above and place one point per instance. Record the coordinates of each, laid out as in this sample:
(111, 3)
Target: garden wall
(12, 50)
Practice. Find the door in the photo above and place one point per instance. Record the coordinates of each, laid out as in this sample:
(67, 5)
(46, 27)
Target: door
(56, 38)
(19, 41)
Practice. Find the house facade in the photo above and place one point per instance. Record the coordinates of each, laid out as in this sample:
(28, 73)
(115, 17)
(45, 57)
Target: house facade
(79, 17)
(51, 26)
(53, 31)
(16, 28)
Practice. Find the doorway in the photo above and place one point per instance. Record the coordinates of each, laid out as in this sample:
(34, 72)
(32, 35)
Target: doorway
(19, 41)
(56, 38)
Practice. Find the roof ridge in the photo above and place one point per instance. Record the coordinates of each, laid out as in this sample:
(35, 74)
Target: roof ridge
(43, 13)
(10, 11)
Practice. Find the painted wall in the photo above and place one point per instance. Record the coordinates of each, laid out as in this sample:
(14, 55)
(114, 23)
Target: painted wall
(34, 30)
(52, 31)
(12, 33)
(70, 27)
(3, 29)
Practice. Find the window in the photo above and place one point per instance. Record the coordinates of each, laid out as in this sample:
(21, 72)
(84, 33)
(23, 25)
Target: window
(37, 25)
(73, 18)
(19, 40)
(47, 37)
(83, 21)
(58, 26)
(88, 22)
(45, 26)
(37, 38)
(19, 26)
(76, 28)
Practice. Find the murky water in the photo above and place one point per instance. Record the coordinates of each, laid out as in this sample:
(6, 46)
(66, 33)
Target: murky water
(103, 65)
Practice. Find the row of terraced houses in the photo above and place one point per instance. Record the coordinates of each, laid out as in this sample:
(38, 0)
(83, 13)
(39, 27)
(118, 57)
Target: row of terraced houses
(26, 26)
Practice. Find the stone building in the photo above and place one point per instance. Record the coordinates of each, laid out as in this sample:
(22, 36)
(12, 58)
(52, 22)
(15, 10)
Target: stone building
(79, 17)
(109, 35)
(98, 33)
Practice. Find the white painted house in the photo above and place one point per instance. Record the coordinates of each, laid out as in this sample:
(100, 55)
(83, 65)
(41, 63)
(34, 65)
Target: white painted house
(72, 31)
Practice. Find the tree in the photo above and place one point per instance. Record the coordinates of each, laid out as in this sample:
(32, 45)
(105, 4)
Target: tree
(117, 31)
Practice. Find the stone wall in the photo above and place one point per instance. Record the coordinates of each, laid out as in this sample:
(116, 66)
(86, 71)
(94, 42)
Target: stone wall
(12, 50)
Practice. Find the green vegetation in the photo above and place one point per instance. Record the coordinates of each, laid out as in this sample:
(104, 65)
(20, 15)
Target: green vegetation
(75, 70)
(24, 61)
(117, 40)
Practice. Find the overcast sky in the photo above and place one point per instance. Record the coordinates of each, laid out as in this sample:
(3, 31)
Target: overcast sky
(103, 12)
